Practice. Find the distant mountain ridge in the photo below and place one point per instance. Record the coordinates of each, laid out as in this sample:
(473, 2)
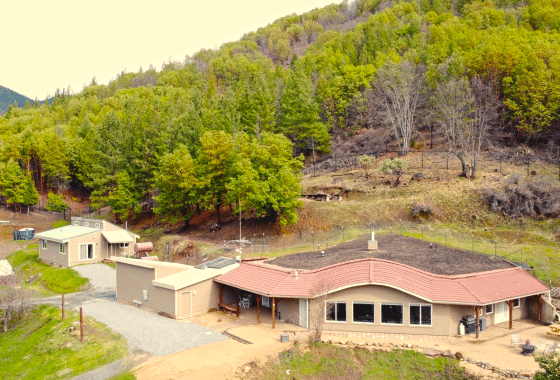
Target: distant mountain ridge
(8, 97)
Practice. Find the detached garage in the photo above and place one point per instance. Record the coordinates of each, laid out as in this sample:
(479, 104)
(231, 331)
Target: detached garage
(175, 290)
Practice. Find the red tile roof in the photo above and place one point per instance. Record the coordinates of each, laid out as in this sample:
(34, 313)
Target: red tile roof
(472, 289)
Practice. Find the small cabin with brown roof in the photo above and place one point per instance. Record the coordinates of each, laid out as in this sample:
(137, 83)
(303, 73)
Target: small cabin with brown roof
(395, 284)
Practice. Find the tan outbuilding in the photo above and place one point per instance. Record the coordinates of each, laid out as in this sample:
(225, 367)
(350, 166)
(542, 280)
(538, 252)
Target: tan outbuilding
(176, 290)
(84, 241)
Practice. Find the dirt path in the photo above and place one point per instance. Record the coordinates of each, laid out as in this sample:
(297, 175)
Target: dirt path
(221, 360)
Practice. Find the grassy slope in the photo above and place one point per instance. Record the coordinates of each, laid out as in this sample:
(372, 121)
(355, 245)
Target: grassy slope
(25, 264)
(42, 348)
(325, 361)
(461, 219)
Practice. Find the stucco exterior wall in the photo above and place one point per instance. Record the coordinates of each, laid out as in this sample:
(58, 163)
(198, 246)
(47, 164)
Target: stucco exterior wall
(204, 297)
(133, 280)
(52, 255)
(445, 318)
(289, 310)
(99, 250)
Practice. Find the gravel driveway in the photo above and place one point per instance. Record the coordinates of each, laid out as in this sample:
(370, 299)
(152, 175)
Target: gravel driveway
(144, 331)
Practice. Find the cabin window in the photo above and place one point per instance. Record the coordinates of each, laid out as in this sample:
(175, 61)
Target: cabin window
(123, 245)
(76, 223)
(421, 315)
(43, 244)
(97, 225)
(335, 311)
(61, 248)
(489, 309)
(392, 313)
(86, 224)
(86, 251)
(363, 312)
(516, 302)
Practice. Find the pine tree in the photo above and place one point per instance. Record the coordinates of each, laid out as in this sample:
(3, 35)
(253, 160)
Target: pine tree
(29, 194)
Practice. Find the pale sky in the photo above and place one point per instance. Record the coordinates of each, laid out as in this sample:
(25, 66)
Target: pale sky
(52, 44)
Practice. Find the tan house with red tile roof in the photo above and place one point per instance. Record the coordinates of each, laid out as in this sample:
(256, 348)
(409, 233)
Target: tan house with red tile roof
(377, 295)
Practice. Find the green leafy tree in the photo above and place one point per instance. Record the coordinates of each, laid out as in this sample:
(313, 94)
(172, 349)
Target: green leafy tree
(123, 198)
(29, 194)
(215, 161)
(11, 183)
(299, 114)
(177, 184)
(56, 203)
(265, 177)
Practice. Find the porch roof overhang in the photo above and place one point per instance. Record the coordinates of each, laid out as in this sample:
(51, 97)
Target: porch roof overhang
(117, 237)
(476, 289)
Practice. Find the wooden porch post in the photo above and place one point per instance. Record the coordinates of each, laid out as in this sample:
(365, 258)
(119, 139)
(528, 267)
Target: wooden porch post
(273, 312)
(540, 307)
(259, 298)
(477, 313)
(510, 306)
(237, 301)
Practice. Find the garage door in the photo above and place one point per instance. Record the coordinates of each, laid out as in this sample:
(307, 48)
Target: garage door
(185, 305)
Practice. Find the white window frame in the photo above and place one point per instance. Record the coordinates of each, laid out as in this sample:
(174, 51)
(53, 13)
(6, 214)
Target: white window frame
(97, 225)
(391, 304)
(86, 224)
(76, 223)
(80, 252)
(123, 245)
(421, 305)
(335, 316)
(61, 248)
(363, 303)
(491, 309)
(518, 303)
(43, 244)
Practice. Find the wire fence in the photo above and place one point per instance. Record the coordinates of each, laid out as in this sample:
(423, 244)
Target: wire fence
(438, 160)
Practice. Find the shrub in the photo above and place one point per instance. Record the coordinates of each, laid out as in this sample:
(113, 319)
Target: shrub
(550, 365)
(56, 203)
(393, 166)
(422, 210)
(534, 200)
(366, 163)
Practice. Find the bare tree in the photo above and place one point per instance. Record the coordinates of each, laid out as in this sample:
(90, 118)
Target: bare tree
(317, 312)
(13, 300)
(465, 111)
(397, 94)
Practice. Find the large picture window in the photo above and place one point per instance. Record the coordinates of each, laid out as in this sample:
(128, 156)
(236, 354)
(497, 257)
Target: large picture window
(363, 312)
(421, 315)
(335, 311)
(86, 251)
(392, 313)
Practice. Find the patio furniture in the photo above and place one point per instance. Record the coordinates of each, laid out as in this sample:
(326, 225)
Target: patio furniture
(551, 349)
(515, 341)
(528, 348)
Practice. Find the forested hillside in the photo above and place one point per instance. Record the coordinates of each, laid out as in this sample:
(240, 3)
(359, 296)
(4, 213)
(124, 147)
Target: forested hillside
(218, 128)
(8, 97)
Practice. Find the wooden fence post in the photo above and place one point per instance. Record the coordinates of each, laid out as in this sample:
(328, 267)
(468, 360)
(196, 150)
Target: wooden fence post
(81, 326)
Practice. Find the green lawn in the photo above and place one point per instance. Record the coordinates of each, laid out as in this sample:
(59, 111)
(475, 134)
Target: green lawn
(25, 264)
(324, 361)
(41, 347)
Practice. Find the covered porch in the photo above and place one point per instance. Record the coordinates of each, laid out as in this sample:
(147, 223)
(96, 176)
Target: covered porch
(258, 306)
(118, 243)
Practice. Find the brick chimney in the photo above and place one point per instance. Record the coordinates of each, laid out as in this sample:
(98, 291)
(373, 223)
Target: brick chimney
(372, 244)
